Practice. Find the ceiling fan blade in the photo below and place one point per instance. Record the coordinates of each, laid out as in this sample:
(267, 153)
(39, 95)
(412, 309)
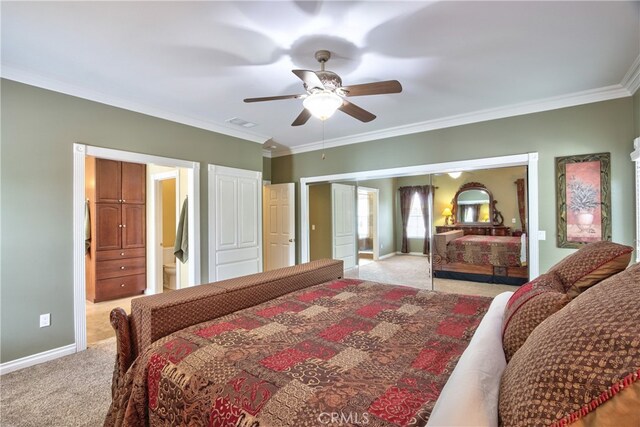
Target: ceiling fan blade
(273, 98)
(302, 118)
(377, 88)
(309, 78)
(356, 112)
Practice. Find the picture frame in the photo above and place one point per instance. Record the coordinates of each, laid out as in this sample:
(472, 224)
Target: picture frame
(583, 198)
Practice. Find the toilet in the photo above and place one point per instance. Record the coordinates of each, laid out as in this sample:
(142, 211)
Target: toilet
(168, 269)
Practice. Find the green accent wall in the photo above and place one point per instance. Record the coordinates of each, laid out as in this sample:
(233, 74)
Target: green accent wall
(266, 168)
(606, 126)
(39, 128)
(320, 224)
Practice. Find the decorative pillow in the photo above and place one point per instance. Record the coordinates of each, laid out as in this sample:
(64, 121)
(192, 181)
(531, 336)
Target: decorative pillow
(591, 264)
(528, 307)
(582, 363)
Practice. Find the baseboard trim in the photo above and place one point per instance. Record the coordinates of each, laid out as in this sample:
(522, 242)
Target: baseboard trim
(386, 256)
(35, 359)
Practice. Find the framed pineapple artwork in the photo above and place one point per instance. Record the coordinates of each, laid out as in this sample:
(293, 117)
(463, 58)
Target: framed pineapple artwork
(583, 195)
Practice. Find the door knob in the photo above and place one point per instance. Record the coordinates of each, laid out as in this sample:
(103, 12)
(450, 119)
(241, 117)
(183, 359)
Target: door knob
(291, 240)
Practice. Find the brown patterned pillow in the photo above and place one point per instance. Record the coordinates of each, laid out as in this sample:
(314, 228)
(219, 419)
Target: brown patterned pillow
(581, 365)
(591, 264)
(528, 307)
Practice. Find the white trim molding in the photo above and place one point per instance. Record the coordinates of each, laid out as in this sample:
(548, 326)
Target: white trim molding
(553, 103)
(387, 256)
(635, 157)
(631, 80)
(35, 359)
(528, 159)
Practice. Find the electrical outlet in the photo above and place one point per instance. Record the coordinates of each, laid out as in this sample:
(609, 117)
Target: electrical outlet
(513, 220)
(45, 320)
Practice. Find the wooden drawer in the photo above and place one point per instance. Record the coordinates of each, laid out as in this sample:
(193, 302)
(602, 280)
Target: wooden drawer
(120, 287)
(120, 267)
(119, 254)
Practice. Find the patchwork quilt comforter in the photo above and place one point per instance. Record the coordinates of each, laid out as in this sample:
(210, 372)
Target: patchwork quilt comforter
(346, 351)
(499, 251)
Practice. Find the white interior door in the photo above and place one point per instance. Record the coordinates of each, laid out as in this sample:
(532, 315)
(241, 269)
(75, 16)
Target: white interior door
(279, 226)
(343, 201)
(235, 226)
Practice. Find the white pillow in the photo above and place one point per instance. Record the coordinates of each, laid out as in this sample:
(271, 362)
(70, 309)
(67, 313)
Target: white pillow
(470, 396)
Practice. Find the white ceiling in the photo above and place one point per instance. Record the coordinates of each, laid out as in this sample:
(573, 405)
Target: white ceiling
(194, 62)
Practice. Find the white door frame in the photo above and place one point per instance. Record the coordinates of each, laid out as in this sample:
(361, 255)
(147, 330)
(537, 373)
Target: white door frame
(376, 213)
(529, 159)
(154, 231)
(80, 151)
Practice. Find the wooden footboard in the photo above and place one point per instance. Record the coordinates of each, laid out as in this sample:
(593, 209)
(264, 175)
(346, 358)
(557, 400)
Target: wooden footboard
(155, 316)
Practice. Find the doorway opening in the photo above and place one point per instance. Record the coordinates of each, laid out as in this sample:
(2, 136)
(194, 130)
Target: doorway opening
(368, 208)
(149, 285)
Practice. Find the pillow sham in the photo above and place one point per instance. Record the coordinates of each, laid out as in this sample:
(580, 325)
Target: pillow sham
(591, 264)
(528, 307)
(581, 365)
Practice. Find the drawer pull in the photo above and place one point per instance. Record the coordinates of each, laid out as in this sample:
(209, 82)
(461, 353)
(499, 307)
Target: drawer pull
(124, 201)
(122, 268)
(120, 200)
(121, 253)
(120, 225)
(124, 225)
(122, 285)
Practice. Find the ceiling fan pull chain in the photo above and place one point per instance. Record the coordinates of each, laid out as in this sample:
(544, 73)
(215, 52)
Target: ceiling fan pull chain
(323, 140)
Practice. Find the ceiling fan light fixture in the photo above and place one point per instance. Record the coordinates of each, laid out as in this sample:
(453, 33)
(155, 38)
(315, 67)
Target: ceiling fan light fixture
(322, 104)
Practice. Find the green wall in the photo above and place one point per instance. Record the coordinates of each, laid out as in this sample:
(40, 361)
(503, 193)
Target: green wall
(320, 214)
(39, 128)
(592, 128)
(266, 168)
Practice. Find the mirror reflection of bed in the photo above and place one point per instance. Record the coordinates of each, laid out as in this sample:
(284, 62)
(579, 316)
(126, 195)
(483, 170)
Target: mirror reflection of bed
(486, 215)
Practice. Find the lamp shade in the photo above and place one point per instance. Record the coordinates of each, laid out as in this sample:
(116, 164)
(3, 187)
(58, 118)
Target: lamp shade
(446, 212)
(322, 104)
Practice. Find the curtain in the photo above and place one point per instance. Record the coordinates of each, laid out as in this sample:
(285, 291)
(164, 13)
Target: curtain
(423, 193)
(521, 203)
(405, 207)
(476, 212)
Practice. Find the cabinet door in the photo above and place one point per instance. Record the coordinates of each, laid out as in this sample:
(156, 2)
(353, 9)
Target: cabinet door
(133, 182)
(108, 181)
(108, 226)
(133, 226)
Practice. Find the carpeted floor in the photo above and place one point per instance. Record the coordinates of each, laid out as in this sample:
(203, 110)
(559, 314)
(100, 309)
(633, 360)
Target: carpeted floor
(71, 391)
(412, 270)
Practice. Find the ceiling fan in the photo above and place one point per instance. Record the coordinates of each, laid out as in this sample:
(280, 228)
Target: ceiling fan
(325, 93)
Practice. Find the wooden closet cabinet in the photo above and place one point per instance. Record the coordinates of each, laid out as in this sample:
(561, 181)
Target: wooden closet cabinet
(116, 260)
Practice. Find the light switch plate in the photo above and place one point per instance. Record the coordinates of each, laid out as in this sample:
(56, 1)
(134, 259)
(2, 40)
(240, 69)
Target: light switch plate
(45, 320)
(542, 235)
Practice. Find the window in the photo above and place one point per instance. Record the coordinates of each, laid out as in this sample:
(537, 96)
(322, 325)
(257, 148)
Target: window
(415, 226)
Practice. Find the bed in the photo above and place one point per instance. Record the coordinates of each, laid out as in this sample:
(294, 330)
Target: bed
(304, 346)
(334, 347)
(491, 259)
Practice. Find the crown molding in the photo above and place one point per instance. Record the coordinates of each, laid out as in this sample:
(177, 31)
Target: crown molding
(553, 103)
(33, 79)
(631, 80)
